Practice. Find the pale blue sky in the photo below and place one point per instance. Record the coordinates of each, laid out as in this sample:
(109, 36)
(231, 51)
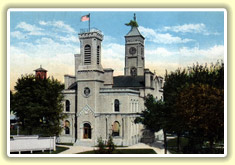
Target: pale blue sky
(172, 39)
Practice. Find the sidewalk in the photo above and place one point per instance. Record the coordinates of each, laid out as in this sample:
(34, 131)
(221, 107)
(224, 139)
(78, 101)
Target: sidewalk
(156, 146)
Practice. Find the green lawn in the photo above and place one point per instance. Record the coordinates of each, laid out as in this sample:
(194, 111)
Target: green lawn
(185, 148)
(66, 144)
(126, 151)
(58, 150)
(172, 145)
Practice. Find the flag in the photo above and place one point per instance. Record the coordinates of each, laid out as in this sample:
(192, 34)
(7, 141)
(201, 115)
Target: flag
(85, 18)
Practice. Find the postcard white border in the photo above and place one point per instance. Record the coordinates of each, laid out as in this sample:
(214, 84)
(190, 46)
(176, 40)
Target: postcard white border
(108, 10)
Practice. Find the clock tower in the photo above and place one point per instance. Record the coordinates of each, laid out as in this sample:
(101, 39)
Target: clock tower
(134, 51)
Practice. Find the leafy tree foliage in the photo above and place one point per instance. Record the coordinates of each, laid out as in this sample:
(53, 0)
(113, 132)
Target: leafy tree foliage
(109, 148)
(154, 116)
(193, 91)
(38, 105)
(202, 107)
(193, 106)
(11, 99)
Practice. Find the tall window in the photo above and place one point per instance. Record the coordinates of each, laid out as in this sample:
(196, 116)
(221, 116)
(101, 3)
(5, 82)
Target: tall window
(67, 127)
(116, 105)
(116, 129)
(86, 131)
(87, 53)
(98, 54)
(67, 105)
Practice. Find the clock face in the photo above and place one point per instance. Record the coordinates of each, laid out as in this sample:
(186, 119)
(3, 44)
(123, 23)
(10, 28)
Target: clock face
(132, 50)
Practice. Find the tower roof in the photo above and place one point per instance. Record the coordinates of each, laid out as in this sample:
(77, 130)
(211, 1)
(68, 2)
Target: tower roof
(40, 69)
(134, 32)
(134, 28)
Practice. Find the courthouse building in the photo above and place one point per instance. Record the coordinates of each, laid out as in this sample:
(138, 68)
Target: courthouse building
(99, 104)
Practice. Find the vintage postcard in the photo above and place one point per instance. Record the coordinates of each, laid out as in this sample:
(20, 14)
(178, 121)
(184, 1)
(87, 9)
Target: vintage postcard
(117, 82)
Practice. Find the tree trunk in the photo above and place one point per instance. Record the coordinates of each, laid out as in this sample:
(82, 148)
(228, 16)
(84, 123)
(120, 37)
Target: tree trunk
(211, 144)
(178, 142)
(165, 141)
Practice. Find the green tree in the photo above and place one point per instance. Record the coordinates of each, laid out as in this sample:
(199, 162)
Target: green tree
(101, 146)
(110, 145)
(176, 86)
(154, 117)
(38, 105)
(193, 102)
(174, 83)
(11, 100)
(202, 107)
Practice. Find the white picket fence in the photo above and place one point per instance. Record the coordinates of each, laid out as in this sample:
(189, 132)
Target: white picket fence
(32, 143)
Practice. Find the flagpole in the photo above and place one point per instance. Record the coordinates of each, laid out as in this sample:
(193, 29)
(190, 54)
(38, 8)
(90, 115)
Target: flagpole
(89, 22)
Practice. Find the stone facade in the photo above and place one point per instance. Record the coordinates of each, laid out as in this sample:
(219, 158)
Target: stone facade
(99, 104)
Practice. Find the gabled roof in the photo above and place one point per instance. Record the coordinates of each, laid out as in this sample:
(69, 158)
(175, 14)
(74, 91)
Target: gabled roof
(128, 81)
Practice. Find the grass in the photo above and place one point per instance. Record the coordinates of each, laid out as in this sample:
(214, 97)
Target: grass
(186, 149)
(58, 150)
(66, 144)
(172, 145)
(126, 151)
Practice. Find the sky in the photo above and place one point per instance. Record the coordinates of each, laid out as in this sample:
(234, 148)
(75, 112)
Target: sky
(173, 39)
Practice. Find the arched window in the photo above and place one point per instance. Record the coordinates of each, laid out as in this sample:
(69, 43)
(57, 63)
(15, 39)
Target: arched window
(87, 54)
(116, 129)
(67, 127)
(98, 54)
(116, 105)
(86, 131)
(133, 71)
(67, 105)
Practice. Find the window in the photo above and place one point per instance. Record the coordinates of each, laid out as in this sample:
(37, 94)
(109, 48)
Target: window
(116, 105)
(67, 127)
(151, 81)
(116, 129)
(86, 131)
(87, 54)
(98, 55)
(133, 71)
(67, 106)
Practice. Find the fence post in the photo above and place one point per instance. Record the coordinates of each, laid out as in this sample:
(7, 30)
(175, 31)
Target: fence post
(54, 143)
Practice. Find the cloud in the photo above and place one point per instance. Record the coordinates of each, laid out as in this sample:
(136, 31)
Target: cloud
(189, 28)
(68, 38)
(113, 51)
(164, 38)
(160, 51)
(161, 59)
(186, 28)
(216, 52)
(30, 29)
(56, 57)
(18, 35)
(59, 25)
